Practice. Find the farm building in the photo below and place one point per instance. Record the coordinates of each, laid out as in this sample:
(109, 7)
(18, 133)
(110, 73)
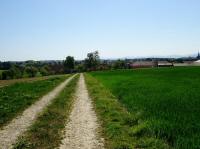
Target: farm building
(143, 64)
(188, 63)
(185, 63)
(196, 63)
(165, 64)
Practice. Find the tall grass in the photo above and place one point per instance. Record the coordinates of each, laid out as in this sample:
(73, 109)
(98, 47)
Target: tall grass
(117, 123)
(166, 102)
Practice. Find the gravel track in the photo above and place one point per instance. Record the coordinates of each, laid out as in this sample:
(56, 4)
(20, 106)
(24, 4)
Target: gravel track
(10, 133)
(81, 131)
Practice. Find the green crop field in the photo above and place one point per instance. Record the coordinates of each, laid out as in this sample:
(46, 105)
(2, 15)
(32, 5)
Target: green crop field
(17, 97)
(166, 102)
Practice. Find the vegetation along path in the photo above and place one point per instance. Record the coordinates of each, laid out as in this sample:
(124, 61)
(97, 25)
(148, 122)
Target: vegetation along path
(13, 81)
(19, 125)
(81, 130)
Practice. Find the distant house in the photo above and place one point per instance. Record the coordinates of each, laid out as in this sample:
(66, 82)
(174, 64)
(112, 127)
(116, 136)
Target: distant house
(143, 64)
(165, 64)
(196, 63)
(184, 63)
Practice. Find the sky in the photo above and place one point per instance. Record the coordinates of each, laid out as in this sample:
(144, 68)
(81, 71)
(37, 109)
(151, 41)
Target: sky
(54, 29)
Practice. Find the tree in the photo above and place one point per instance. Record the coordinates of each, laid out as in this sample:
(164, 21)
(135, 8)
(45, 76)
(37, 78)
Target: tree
(79, 68)
(119, 64)
(57, 68)
(15, 72)
(44, 71)
(31, 71)
(5, 65)
(6, 75)
(92, 61)
(69, 64)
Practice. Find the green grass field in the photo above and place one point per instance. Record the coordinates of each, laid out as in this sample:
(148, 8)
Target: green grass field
(17, 97)
(165, 101)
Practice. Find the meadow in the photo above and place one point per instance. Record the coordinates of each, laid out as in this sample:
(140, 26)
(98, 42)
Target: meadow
(15, 98)
(165, 103)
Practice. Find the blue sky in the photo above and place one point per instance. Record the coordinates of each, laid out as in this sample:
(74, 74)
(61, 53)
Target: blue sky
(53, 29)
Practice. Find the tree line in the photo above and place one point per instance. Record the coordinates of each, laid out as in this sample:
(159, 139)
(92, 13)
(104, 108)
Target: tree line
(16, 70)
(92, 62)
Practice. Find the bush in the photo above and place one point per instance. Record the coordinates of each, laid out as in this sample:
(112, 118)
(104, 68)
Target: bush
(7, 75)
(44, 71)
(31, 71)
(15, 72)
(12, 73)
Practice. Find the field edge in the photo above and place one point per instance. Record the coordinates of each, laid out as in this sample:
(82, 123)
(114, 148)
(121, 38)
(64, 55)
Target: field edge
(117, 124)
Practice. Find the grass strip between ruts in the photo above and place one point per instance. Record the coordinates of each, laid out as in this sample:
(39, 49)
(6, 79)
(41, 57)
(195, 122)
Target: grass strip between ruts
(47, 131)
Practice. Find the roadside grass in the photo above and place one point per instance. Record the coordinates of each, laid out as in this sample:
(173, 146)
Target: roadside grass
(47, 131)
(120, 129)
(12, 81)
(15, 98)
(165, 102)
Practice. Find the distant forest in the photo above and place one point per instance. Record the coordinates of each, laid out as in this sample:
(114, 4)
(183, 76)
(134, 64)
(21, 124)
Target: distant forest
(26, 69)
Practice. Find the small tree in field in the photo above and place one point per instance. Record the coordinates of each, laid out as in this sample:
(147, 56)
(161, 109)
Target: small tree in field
(80, 68)
(16, 73)
(69, 64)
(44, 71)
(31, 71)
(92, 61)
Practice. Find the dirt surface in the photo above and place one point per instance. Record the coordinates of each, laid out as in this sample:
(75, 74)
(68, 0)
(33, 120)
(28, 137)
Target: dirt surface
(10, 133)
(81, 131)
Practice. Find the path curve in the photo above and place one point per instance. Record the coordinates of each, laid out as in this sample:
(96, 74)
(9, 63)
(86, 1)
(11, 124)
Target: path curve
(81, 131)
(10, 133)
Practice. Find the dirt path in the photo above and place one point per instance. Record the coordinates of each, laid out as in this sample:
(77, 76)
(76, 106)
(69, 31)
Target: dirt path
(10, 133)
(81, 130)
